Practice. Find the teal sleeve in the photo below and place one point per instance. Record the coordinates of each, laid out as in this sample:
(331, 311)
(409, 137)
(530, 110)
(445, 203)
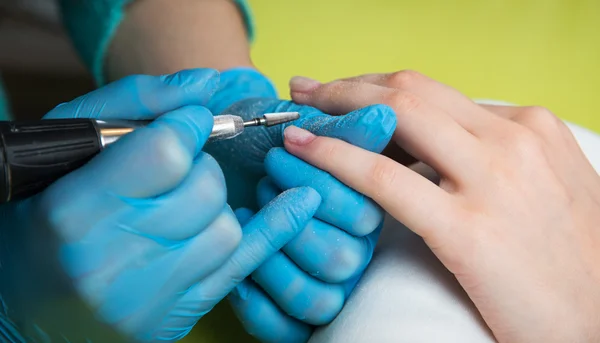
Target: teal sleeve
(92, 24)
(4, 112)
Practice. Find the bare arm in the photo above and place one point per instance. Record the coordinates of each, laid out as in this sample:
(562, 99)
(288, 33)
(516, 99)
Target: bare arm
(164, 36)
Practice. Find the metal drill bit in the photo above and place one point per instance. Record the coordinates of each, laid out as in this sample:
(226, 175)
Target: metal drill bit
(227, 126)
(271, 119)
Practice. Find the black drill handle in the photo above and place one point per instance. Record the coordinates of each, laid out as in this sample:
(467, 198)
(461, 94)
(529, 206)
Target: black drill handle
(34, 154)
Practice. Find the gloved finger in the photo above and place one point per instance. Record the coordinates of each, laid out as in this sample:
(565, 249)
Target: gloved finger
(184, 211)
(181, 264)
(297, 293)
(322, 250)
(162, 285)
(341, 206)
(262, 319)
(152, 160)
(239, 84)
(244, 215)
(258, 314)
(147, 225)
(207, 251)
(370, 128)
(144, 164)
(142, 97)
(267, 232)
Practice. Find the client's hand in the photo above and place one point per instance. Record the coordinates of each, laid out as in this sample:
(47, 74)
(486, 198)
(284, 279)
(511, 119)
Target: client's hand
(516, 214)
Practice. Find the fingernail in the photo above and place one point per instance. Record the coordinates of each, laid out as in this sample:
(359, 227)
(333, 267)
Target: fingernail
(303, 84)
(298, 136)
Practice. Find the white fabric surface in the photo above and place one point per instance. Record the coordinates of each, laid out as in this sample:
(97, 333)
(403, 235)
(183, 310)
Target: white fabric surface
(406, 295)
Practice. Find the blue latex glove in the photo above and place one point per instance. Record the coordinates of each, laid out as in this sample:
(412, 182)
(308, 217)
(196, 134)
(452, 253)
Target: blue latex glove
(142, 234)
(247, 93)
(282, 300)
(308, 282)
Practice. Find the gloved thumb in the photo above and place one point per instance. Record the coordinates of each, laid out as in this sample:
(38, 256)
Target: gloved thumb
(145, 163)
(142, 97)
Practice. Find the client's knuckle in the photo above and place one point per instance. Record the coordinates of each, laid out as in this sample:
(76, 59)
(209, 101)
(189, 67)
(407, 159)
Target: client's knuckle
(537, 112)
(405, 79)
(525, 146)
(542, 119)
(401, 101)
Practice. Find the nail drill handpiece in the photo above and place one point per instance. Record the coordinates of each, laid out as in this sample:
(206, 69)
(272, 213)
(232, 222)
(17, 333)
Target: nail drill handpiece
(34, 154)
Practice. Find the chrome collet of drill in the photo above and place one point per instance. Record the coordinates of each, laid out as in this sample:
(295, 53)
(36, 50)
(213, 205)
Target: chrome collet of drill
(228, 126)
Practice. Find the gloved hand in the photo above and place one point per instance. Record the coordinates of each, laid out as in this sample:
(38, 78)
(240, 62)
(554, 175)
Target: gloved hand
(307, 283)
(247, 93)
(142, 234)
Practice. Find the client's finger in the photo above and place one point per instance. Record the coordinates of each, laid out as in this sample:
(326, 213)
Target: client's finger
(407, 196)
(423, 130)
(506, 112)
(464, 110)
